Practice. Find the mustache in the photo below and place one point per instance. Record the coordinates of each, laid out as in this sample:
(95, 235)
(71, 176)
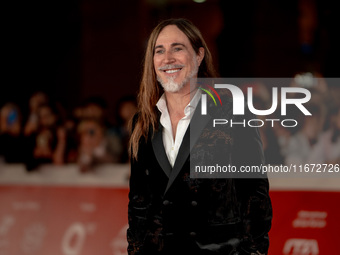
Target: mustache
(162, 68)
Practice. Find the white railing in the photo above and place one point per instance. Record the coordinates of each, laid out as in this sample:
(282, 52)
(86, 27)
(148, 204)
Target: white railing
(116, 175)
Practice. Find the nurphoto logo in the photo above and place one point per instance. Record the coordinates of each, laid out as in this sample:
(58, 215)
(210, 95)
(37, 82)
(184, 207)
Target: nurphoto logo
(239, 103)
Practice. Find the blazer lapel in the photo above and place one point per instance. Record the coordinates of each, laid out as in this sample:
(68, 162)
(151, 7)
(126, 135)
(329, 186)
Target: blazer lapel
(158, 148)
(197, 123)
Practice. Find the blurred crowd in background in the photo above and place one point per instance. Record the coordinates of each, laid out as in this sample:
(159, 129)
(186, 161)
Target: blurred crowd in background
(49, 134)
(96, 48)
(316, 138)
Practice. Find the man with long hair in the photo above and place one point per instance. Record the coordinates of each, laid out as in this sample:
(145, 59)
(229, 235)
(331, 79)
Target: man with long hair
(170, 212)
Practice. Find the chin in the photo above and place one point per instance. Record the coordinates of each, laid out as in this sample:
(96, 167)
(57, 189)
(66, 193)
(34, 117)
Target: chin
(168, 87)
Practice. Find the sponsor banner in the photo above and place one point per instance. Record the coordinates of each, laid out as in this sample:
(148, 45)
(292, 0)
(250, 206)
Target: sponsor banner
(57, 220)
(63, 220)
(304, 223)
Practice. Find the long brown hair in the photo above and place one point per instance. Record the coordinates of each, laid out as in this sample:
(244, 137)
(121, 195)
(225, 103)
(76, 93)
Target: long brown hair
(150, 91)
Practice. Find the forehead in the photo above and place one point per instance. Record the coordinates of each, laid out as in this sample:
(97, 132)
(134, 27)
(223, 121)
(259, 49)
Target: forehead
(171, 34)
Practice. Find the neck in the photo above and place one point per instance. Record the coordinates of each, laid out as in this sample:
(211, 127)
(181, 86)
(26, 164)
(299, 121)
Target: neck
(177, 101)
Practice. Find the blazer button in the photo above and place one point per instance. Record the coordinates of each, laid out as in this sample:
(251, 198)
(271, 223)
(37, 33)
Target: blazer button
(192, 234)
(193, 203)
(166, 202)
(147, 172)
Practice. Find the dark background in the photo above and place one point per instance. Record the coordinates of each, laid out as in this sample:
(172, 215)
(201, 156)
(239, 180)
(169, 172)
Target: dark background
(75, 49)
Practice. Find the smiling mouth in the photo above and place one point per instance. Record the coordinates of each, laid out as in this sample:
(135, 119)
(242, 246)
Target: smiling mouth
(172, 70)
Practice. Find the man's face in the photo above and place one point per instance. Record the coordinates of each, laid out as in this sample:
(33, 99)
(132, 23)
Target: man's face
(174, 59)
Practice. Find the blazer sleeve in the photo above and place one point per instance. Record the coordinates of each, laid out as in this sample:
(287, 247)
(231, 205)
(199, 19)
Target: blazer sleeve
(253, 193)
(137, 210)
(138, 204)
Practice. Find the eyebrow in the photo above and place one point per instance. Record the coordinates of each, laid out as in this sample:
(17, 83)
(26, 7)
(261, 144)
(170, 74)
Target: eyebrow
(172, 45)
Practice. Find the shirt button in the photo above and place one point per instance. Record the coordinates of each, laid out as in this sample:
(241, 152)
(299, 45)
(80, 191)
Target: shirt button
(193, 203)
(172, 148)
(166, 202)
(147, 172)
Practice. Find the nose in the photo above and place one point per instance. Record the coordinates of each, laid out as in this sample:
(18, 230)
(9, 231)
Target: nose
(169, 58)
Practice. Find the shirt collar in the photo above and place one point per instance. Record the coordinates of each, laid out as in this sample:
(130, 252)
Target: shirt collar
(188, 110)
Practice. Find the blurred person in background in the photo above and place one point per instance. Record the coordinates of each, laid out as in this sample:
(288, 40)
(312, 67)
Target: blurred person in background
(92, 108)
(48, 143)
(283, 136)
(270, 142)
(11, 138)
(35, 101)
(271, 147)
(95, 146)
(315, 83)
(70, 127)
(327, 148)
(126, 108)
(302, 143)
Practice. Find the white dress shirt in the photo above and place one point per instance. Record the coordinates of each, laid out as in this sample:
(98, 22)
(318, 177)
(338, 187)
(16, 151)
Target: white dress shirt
(172, 145)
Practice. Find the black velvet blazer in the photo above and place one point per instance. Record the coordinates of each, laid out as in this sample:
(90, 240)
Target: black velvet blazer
(171, 213)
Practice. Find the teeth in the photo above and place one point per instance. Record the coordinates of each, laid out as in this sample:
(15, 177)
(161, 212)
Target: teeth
(172, 71)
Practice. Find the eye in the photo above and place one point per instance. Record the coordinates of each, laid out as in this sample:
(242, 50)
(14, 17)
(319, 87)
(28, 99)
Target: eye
(177, 49)
(159, 51)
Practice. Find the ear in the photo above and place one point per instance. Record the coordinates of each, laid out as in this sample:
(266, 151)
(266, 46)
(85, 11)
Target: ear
(200, 55)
